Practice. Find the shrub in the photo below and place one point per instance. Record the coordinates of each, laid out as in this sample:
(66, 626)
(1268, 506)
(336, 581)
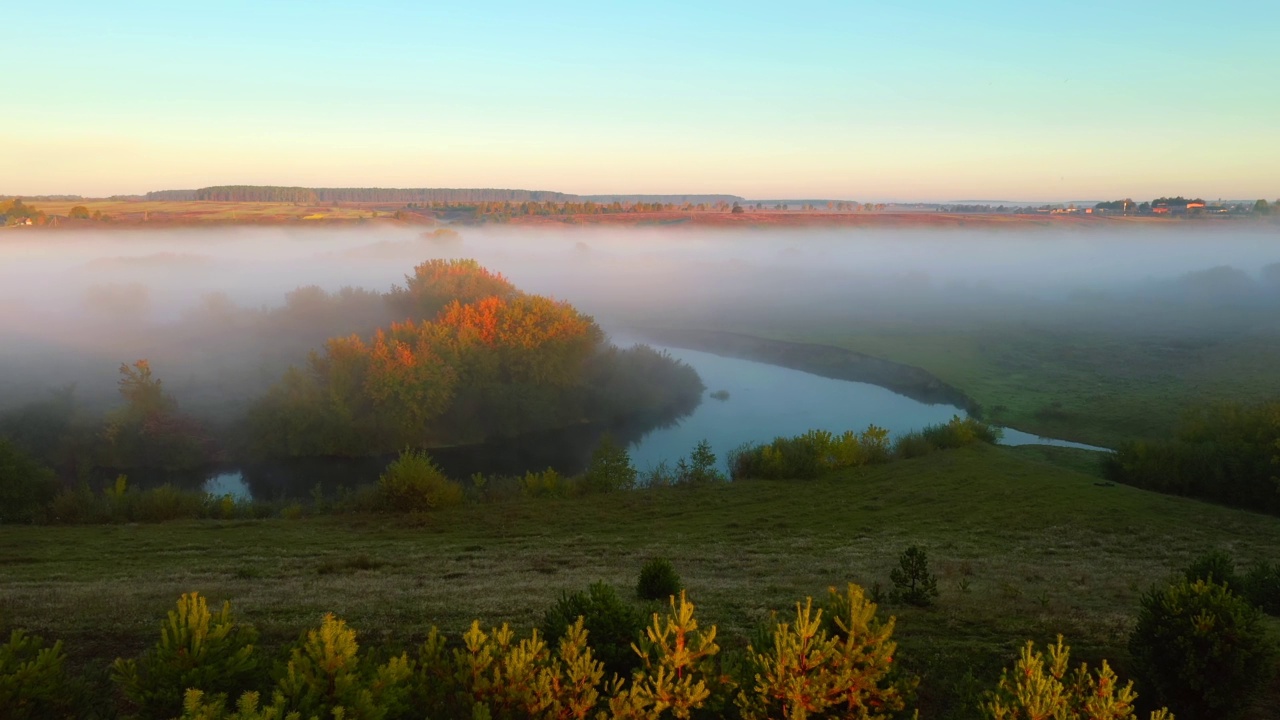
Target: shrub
(956, 433)
(911, 445)
(547, 483)
(810, 670)
(912, 581)
(678, 668)
(1200, 649)
(1223, 453)
(659, 475)
(26, 487)
(31, 677)
(610, 469)
(1034, 690)
(497, 677)
(810, 455)
(196, 707)
(1215, 566)
(612, 625)
(1261, 585)
(76, 505)
(658, 580)
(326, 677)
(160, 505)
(700, 468)
(196, 650)
(960, 432)
(413, 483)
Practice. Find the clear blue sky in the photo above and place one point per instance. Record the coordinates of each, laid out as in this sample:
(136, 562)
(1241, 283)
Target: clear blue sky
(924, 100)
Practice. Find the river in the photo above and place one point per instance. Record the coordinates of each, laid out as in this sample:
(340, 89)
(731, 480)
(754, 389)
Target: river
(763, 401)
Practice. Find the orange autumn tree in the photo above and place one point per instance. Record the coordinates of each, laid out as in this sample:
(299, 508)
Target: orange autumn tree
(492, 364)
(436, 283)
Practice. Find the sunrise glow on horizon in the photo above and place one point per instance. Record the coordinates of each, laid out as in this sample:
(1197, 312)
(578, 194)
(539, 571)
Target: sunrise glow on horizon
(994, 100)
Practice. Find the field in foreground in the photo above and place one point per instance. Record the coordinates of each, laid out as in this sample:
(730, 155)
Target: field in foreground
(1024, 544)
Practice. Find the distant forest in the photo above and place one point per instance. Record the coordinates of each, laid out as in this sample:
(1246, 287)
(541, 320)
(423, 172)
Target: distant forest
(275, 193)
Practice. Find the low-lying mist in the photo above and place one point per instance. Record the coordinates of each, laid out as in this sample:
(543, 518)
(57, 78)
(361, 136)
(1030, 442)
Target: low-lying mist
(74, 306)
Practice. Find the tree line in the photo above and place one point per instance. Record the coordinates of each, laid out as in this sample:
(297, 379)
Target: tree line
(1224, 453)
(272, 193)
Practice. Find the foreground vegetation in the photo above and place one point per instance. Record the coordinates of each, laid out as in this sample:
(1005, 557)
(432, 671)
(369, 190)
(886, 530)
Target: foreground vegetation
(1021, 548)
(833, 660)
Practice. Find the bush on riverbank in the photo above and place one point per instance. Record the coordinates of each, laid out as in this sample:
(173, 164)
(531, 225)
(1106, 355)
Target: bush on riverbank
(413, 483)
(818, 452)
(123, 503)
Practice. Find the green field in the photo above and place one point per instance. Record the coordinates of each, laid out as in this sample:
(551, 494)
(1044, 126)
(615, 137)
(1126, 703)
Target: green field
(1025, 546)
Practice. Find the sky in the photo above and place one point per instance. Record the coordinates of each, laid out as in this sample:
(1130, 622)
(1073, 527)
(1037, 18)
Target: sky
(871, 101)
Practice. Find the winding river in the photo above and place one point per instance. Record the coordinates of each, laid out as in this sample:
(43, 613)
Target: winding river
(763, 401)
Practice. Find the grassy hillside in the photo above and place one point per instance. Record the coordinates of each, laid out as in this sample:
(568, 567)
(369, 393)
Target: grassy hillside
(1024, 547)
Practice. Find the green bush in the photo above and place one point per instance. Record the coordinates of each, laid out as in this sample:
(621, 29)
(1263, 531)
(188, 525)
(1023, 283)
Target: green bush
(912, 581)
(955, 433)
(1224, 453)
(911, 445)
(1261, 585)
(32, 679)
(326, 677)
(162, 504)
(610, 469)
(1035, 689)
(547, 483)
(77, 506)
(1201, 650)
(700, 468)
(1215, 566)
(611, 624)
(960, 432)
(413, 483)
(195, 706)
(658, 476)
(26, 487)
(658, 580)
(810, 455)
(197, 649)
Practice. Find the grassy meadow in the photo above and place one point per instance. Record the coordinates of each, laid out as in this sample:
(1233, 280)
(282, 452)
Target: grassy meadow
(1026, 544)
